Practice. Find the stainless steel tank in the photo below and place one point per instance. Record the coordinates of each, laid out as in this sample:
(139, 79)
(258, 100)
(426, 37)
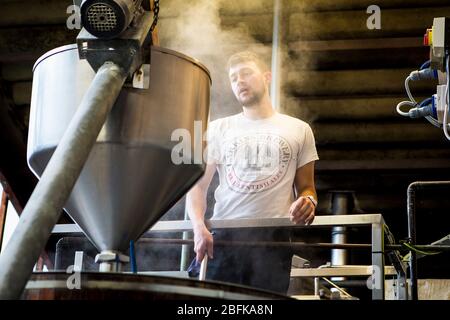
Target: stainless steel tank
(115, 286)
(129, 179)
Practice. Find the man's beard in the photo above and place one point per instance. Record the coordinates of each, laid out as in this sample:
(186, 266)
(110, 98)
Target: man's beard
(251, 100)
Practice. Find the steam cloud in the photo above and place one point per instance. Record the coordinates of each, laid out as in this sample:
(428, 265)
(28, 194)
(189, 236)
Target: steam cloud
(194, 28)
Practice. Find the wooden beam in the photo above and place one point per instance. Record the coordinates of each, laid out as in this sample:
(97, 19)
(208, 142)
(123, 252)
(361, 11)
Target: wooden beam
(333, 25)
(34, 12)
(258, 27)
(21, 92)
(348, 132)
(33, 41)
(371, 181)
(333, 5)
(383, 152)
(353, 82)
(343, 108)
(356, 44)
(22, 71)
(397, 58)
(386, 164)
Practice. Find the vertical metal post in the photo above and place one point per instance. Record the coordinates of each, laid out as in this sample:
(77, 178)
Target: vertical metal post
(377, 261)
(341, 205)
(51, 193)
(184, 262)
(402, 286)
(275, 85)
(203, 267)
(411, 210)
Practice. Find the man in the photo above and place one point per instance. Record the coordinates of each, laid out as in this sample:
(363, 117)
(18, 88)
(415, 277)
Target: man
(260, 156)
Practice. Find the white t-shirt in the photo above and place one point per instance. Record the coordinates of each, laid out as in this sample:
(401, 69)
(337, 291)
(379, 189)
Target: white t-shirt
(257, 161)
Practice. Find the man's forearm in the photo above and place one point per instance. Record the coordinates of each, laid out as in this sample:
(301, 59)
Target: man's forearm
(196, 206)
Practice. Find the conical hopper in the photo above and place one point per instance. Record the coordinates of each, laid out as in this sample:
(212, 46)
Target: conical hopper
(129, 179)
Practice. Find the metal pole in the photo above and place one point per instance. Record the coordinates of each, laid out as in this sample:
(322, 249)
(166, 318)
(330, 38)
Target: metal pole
(377, 261)
(51, 193)
(296, 245)
(185, 250)
(340, 206)
(275, 85)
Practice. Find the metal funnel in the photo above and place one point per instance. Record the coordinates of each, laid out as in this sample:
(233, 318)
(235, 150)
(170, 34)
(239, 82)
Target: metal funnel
(129, 180)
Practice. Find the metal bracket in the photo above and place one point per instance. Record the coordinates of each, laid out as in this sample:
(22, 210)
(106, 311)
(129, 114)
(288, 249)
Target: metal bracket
(125, 51)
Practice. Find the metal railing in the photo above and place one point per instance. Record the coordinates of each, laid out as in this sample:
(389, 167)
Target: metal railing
(377, 270)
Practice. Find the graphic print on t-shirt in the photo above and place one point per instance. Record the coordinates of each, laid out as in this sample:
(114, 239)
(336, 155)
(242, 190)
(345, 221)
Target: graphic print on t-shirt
(256, 162)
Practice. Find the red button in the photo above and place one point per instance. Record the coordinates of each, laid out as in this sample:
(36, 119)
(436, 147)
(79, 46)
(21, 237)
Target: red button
(426, 40)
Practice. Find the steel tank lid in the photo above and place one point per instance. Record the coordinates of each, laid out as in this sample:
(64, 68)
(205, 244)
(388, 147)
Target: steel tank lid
(74, 46)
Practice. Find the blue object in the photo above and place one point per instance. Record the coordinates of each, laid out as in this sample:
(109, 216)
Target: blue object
(432, 106)
(133, 257)
(426, 64)
(194, 269)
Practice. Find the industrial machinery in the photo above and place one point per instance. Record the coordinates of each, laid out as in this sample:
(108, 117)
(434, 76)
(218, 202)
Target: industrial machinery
(129, 180)
(102, 114)
(434, 108)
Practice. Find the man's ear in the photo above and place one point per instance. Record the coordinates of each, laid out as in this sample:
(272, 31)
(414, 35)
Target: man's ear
(268, 77)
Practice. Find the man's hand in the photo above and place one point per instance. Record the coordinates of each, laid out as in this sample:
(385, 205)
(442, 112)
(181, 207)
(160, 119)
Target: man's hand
(203, 243)
(302, 211)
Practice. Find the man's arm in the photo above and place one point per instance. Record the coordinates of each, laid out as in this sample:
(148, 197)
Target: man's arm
(302, 210)
(196, 206)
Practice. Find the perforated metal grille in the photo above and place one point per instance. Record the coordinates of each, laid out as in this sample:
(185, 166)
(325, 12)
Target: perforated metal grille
(102, 17)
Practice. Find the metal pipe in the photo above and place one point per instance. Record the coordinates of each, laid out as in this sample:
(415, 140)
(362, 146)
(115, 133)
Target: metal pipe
(346, 283)
(411, 215)
(185, 251)
(203, 268)
(51, 193)
(359, 246)
(317, 279)
(341, 206)
(275, 85)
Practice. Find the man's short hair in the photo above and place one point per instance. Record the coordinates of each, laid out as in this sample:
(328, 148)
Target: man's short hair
(247, 56)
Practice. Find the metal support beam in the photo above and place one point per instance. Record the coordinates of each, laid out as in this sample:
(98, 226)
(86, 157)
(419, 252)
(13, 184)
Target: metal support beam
(341, 205)
(185, 250)
(377, 261)
(182, 225)
(45, 204)
(275, 85)
(400, 267)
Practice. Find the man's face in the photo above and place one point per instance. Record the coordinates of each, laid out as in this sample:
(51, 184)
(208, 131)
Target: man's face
(248, 83)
